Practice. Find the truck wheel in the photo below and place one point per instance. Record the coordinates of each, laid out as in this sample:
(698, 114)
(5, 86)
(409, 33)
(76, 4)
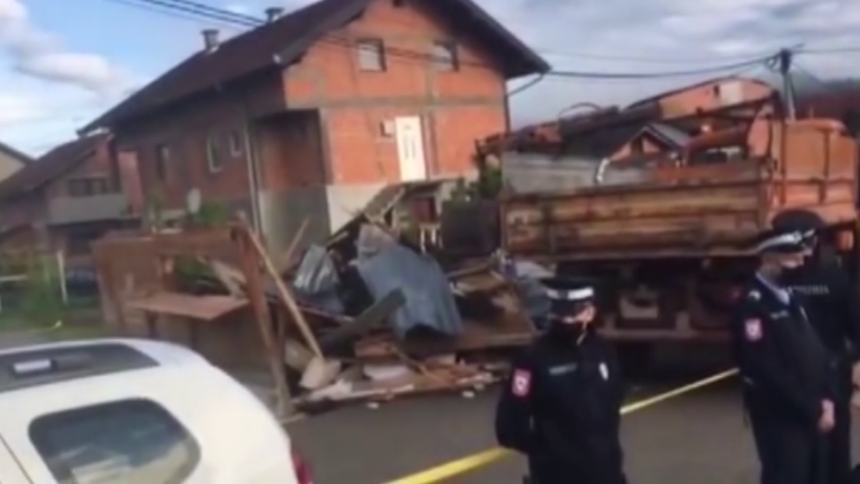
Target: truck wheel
(636, 359)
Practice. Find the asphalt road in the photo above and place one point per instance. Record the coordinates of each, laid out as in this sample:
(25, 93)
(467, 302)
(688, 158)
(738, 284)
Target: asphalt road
(699, 437)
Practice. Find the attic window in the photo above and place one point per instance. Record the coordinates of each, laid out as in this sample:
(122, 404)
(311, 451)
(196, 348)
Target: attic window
(371, 55)
(445, 56)
(213, 154)
(162, 159)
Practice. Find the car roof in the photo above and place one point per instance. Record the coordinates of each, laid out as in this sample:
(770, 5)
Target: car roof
(43, 364)
(165, 353)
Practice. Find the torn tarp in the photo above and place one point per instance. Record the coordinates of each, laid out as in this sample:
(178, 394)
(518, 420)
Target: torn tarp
(429, 302)
(316, 281)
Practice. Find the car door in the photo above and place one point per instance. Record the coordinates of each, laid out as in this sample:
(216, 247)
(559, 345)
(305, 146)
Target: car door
(11, 470)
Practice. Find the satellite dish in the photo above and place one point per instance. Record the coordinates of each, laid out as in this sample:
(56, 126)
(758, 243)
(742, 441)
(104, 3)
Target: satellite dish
(192, 201)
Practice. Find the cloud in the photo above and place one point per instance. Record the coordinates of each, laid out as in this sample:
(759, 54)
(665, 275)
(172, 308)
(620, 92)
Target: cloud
(41, 55)
(625, 36)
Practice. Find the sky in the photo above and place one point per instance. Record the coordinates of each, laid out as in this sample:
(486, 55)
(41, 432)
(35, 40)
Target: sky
(63, 62)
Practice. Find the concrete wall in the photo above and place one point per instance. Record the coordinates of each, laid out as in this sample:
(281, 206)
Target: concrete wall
(283, 212)
(327, 209)
(345, 201)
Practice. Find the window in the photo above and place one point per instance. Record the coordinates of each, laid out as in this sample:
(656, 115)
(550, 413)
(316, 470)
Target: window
(445, 56)
(371, 55)
(162, 158)
(235, 143)
(125, 442)
(638, 146)
(87, 186)
(213, 154)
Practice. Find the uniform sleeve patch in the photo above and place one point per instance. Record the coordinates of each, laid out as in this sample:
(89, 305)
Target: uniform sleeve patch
(753, 329)
(521, 383)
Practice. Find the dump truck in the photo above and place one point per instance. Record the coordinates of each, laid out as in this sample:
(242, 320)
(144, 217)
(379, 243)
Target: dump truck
(669, 243)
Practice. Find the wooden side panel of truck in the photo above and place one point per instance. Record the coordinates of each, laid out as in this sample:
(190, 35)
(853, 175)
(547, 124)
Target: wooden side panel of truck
(693, 211)
(670, 254)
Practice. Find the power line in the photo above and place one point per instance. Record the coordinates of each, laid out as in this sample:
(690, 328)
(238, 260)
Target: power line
(835, 50)
(249, 21)
(168, 12)
(209, 13)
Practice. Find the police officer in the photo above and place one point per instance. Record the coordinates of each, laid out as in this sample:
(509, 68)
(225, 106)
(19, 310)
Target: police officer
(831, 306)
(785, 369)
(561, 404)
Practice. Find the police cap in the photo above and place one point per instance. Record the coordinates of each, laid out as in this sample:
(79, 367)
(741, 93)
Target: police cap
(781, 241)
(568, 295)
(807, 222)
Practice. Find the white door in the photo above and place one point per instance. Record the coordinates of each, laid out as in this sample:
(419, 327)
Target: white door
(410, 148)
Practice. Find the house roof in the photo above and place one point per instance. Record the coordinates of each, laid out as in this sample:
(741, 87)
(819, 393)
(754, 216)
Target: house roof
(49, 166)
(283, 41)
(14, 154)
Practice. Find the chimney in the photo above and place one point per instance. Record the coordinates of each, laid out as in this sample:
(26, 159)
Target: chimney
(273, 13)
(210, 39)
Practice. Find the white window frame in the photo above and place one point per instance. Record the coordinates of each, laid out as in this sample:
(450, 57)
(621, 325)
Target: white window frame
(450, 62)
(214, 159)
(370, 46)
(234, 139)
(163, 153)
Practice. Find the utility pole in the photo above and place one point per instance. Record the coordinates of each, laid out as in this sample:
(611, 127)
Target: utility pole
(785, 57)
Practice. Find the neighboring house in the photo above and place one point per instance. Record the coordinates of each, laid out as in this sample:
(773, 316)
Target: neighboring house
(11, 160)
(311, 114)
(65, 199)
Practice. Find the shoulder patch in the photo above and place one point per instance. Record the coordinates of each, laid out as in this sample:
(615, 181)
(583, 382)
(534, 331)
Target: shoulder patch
(753, 330)
(521, 383)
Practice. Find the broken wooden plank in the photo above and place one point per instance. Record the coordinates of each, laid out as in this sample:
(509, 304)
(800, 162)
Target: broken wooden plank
(204, 308)
(284, 294)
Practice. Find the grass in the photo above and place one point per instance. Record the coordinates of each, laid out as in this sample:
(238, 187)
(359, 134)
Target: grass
(78, 322)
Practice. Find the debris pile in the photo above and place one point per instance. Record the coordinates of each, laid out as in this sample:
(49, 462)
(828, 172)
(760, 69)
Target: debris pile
(391, 320)
(372, 316)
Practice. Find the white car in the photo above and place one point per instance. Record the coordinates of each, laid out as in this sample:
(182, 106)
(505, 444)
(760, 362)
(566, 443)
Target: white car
(126, 411)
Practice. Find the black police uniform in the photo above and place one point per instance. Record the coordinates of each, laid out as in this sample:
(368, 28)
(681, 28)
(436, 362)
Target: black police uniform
(786, 374)
(561, 404)
(831, 305)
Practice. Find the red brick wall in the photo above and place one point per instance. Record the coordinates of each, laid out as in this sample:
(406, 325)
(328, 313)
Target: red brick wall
(185, 128)
(290, 151)
(456, 107)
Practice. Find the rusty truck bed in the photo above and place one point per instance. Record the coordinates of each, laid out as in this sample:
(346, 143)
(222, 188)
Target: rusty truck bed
(693, 210)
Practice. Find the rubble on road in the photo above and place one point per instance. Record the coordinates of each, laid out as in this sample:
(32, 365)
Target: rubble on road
(371, 315)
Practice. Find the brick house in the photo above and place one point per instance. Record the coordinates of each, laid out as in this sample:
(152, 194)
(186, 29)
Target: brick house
(312, 113)
(64, 199)
(11, 160)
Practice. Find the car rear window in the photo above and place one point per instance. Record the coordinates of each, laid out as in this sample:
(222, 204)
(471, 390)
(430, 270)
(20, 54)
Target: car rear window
(128, 442)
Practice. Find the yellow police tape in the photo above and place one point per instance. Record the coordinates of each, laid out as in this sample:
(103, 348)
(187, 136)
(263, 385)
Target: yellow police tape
(481, 459)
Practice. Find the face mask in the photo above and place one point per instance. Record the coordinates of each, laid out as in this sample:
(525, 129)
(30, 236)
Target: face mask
(570, 331)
